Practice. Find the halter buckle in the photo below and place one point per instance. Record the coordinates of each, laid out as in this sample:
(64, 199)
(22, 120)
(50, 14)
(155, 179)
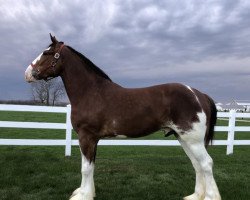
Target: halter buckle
(53, 63)
(57, 55)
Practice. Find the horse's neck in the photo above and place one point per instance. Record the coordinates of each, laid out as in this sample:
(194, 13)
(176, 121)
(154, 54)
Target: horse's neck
(79, 81)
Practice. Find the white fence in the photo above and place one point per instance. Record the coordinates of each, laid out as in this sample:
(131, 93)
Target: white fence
(68, 142)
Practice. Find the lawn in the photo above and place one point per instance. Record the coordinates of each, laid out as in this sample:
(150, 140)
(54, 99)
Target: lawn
(121, 173)
(128, 173)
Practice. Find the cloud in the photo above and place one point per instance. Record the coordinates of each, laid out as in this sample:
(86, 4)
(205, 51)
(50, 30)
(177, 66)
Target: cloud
(137, 42)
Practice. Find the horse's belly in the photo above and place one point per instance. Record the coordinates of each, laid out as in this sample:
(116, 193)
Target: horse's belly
(137, 127)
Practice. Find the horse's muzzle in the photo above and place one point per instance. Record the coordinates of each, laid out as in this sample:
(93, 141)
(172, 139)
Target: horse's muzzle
(29, 75)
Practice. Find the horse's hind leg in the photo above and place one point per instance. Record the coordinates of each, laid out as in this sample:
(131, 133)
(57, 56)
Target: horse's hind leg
(205, 162)
(199, 192)
(193, 144)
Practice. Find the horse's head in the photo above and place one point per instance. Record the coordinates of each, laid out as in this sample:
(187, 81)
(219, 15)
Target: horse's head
(48, 64)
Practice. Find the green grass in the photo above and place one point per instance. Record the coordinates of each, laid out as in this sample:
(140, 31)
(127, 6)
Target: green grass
(124, 173)
(32, 116)
(121, 173)
(16, 133)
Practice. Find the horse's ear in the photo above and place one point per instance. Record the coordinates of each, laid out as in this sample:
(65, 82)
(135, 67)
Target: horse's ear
(53, 39)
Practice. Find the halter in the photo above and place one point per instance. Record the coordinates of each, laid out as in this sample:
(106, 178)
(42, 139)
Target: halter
(53, 62)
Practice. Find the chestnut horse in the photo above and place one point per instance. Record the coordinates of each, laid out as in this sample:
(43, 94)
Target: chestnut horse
(102, 108)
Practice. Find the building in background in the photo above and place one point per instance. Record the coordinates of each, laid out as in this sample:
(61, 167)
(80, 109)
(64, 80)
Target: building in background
(244, 103)
(238, 105)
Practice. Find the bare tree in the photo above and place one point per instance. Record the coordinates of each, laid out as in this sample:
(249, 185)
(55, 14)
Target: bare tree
(47, 93)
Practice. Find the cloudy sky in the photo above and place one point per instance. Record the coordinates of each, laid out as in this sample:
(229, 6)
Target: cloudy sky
(204, 44)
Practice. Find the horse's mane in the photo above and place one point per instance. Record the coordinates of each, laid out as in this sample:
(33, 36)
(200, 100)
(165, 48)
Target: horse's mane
(91, 66)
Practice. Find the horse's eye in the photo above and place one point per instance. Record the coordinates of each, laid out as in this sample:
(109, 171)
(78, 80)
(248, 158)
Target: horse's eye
(48, 52)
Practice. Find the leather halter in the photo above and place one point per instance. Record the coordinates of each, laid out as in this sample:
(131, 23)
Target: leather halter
(53, 62)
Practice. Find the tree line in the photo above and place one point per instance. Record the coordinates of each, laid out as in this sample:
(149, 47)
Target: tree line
(48, 93)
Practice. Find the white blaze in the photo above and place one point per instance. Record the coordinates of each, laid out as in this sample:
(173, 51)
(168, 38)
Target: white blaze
(28, 71)
(28, 74)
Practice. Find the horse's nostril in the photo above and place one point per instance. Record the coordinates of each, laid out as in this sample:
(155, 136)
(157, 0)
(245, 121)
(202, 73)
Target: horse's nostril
(34, 73)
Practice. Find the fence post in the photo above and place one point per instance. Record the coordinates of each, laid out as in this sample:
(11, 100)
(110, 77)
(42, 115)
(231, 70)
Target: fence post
(231, 132)
(68, 132)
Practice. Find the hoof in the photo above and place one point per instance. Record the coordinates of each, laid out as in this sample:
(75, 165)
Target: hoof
(77, 195)
(194, 197)
(75, 192)
(216, 198)
(80, 196)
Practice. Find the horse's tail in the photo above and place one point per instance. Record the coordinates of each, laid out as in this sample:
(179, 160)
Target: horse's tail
(212, 121)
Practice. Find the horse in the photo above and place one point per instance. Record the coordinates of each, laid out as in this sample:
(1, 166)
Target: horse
(103, 109)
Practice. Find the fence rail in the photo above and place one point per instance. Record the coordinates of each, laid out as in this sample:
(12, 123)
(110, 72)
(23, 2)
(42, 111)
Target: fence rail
(68, 142)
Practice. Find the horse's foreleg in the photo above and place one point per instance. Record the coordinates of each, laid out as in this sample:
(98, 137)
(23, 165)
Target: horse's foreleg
(79, 189)
(88, 151)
